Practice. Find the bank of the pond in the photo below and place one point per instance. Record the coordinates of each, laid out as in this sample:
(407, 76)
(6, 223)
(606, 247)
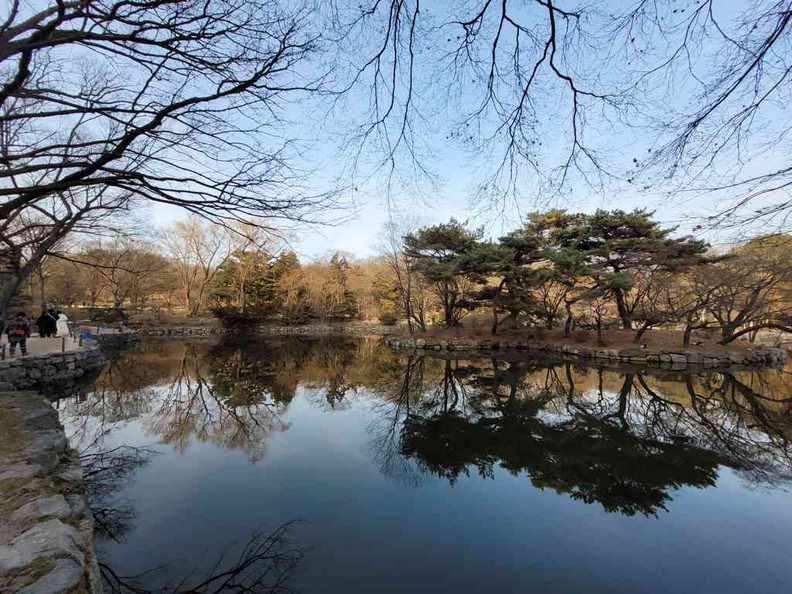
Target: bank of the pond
(46, 528)
(668, 357)
(48, 370)
(345, 328)
(116, 341)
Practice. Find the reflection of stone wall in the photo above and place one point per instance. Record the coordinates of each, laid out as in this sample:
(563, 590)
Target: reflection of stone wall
(46, 529)
(45, 370)
(669, 358)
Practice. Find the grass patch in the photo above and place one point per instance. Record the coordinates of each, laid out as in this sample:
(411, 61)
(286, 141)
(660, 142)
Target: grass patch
(13, 437)
(30, 574)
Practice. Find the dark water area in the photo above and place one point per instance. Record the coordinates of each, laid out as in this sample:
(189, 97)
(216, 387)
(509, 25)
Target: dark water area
(425, 474)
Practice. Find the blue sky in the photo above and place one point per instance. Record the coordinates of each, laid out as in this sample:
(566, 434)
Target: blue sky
(459, 164)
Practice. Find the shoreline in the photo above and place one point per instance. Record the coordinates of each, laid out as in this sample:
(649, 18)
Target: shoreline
(663, 357)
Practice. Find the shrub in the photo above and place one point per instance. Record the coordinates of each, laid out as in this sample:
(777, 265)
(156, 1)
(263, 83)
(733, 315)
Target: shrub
(231, 317)
(388, 318)
(107, 316)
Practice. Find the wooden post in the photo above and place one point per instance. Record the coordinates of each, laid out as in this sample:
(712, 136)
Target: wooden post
(79, 340)
(63, 344)
(3, 354)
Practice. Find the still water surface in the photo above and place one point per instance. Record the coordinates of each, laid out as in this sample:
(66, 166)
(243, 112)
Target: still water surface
(410, 474)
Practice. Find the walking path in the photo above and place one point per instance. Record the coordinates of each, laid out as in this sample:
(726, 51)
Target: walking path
(44, 346)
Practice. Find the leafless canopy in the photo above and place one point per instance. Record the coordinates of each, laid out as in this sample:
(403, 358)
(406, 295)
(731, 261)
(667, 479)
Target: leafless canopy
(552, 95)
(175, 101)
(183, 102)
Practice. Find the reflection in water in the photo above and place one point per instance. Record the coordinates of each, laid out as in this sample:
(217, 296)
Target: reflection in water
(105, 471)
(624, 440)
(418, 459)
(621, 439)
(262, 565)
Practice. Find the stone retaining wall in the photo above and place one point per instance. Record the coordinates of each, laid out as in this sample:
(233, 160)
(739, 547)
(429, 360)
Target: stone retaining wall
(122, 340)
(178, 331)
(39, 371)
(353, 328)
(669, 358)
(46, 528)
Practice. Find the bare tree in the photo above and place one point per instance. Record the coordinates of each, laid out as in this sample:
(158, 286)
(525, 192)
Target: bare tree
(750, 292)
(103, 102)
(197, 249)
(411, 287)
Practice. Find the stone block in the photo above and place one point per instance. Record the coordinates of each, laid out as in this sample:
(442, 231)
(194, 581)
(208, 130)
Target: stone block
(65, 577)
(47, 539)
(55, 506)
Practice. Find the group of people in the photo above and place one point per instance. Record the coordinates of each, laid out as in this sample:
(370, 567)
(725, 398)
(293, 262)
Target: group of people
(50, 323)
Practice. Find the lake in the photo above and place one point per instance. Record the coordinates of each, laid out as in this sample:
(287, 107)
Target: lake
(337, 465)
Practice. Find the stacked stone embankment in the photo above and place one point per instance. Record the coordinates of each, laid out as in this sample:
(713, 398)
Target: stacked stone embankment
(46, 528)
(37, 371)
(653, 357)
(178, 331)
(348, 328)
(120, 340)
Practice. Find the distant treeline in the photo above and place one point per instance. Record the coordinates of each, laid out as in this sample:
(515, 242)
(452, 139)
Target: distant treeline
(559, 270)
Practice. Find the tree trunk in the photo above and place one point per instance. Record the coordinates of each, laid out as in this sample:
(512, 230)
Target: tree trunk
(728, 333)
(641, 330)
(686, 335)
(599, 331)
(494, 319)
(7, 291)
(624, 312)
(568, 323)
(42, 288)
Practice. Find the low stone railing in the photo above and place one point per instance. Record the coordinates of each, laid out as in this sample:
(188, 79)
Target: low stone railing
(46, 528)
(35, 371)
(672, 358)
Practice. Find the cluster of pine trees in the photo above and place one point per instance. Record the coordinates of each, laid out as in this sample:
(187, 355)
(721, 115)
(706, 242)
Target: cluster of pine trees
(600, 269)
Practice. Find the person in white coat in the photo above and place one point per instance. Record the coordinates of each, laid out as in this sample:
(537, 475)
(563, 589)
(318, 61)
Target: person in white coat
(62, 325)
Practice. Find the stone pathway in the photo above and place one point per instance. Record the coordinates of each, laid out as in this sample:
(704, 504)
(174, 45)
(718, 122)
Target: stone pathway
(44, 346)
(46, 530)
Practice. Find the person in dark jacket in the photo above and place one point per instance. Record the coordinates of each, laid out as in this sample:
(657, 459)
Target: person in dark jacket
(18, 332)
(47, 323)
(41, 324)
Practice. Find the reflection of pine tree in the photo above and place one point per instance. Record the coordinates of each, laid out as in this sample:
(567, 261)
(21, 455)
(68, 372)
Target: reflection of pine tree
(626, 448)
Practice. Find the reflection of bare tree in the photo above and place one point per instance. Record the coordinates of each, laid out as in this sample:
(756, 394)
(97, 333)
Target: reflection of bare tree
(105, 471)
(264, 564)
(746, 426)
(398, 393)
(605, 436)
(193, 406)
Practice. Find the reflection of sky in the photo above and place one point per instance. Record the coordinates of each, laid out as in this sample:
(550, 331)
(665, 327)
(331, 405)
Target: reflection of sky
(364, 532)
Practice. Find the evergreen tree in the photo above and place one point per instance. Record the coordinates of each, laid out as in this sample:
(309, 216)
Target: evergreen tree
(610, 246)
(441, 253)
